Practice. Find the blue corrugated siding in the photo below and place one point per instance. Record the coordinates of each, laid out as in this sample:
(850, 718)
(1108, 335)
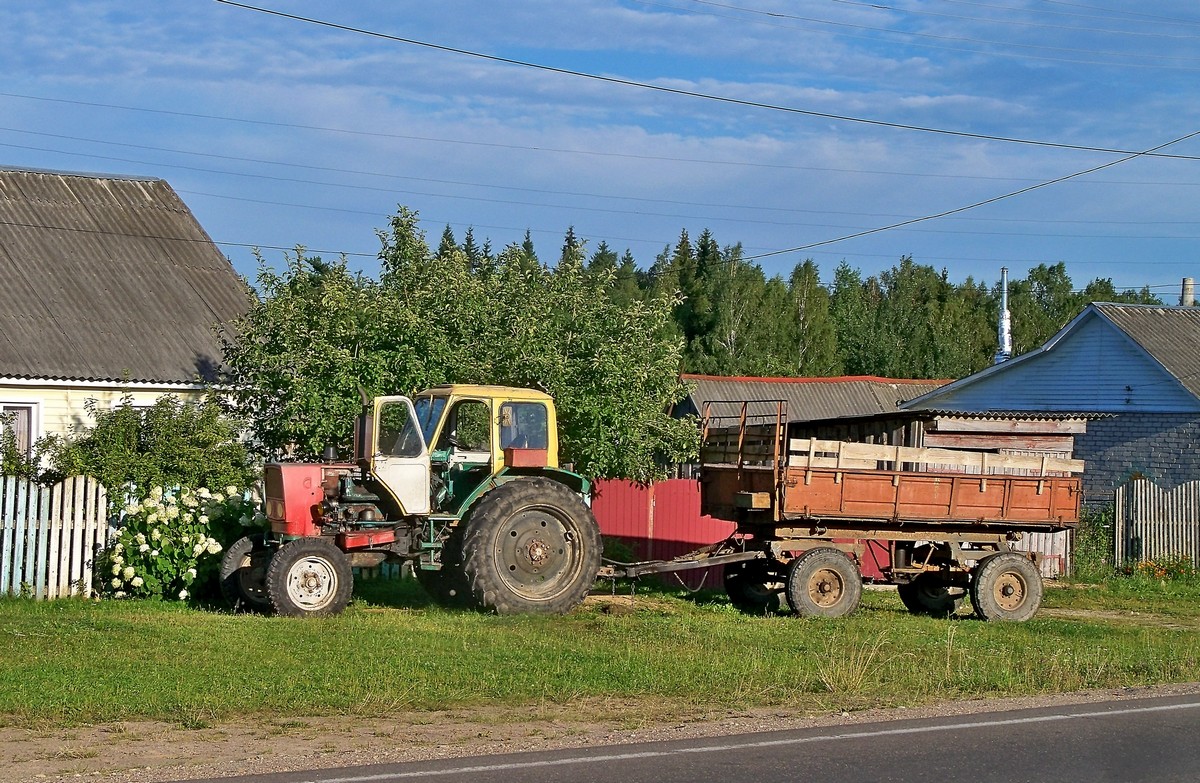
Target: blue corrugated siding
(1094, 368)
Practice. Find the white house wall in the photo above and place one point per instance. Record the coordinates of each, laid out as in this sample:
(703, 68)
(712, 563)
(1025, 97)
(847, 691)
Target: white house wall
(60, 410)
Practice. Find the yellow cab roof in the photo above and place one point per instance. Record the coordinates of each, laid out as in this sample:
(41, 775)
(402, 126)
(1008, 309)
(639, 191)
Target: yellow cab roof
(485, 390)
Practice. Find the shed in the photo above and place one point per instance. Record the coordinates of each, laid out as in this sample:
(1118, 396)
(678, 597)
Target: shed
(1134, 369)
(111, 286)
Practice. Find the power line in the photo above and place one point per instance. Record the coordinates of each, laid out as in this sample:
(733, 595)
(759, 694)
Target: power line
(975, 205)
(682, 92)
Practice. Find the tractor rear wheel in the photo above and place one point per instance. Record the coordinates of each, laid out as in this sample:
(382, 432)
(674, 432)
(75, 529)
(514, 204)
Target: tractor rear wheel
(531, 546)
(756, 586)
(309, 577)
(243, 574)
(824, 582)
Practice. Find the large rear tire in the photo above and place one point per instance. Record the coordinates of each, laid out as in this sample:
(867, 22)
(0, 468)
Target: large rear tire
(756, 586)
(309, 577)
(243, 574)
(1007, 586)
(824, 582)
(531, 546)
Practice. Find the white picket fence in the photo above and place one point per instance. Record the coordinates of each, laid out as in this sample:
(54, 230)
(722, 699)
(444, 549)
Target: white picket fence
(49, 536)
(1152, 522)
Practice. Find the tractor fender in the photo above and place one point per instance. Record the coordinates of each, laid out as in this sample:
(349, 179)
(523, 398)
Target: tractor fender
(573, 481)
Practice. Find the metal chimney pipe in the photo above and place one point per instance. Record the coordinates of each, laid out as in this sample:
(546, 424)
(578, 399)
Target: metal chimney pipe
(1187, 298)
(1004, 330)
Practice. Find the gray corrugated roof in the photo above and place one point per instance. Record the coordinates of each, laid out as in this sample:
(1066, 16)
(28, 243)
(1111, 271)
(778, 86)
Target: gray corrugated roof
(1170, 334)
(108, 278)
(813, 399)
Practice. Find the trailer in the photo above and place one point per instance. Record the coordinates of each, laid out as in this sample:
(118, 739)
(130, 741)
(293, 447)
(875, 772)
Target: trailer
(805, 508)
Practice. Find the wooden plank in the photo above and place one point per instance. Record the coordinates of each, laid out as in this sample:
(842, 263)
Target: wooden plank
(999, 426)
(924, 455)
(8, 529)
(19, 537)
(41, 544)
(1058, 443)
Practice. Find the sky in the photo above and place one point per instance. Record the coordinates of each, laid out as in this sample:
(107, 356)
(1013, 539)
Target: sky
(968, 134)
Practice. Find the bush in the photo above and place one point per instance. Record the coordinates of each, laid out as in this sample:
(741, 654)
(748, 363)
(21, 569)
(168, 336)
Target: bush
(1168, 567)
(171, 443)
(168, 543)
(1092, 553)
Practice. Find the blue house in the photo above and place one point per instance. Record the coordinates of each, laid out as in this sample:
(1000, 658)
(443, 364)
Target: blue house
(1132, 370)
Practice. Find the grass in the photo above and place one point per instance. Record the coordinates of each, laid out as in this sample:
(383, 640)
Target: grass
(75, 661)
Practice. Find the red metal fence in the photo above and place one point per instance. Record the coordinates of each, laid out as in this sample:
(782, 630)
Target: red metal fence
(663, 520)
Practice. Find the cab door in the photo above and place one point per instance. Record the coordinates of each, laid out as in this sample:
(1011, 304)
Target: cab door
(401, 458)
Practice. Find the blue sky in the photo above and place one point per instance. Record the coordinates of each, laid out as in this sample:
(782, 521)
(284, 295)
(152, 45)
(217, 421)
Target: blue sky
(279, 132)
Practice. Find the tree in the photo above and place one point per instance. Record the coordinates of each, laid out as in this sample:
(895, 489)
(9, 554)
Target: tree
(308, 340)
(433, 319)
(813, 338)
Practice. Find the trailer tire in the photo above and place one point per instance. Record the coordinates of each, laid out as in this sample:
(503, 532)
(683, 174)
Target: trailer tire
(531, 546)
(243, 574)
(824, 582)
(309, 577)
(756, 586)
(1006, 586)
(928, 594)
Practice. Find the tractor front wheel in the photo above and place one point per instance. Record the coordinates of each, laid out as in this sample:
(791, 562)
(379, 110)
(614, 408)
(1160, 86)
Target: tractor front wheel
(531, 546)
(1007, 586)
(824, 582)
(309, 577)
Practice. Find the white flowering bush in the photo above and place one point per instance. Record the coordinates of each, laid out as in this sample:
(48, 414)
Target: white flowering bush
(170, 542)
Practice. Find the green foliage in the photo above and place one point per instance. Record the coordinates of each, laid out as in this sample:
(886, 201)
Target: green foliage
(169, 541)
(171, 443)
(1093, 546)
(318, 333)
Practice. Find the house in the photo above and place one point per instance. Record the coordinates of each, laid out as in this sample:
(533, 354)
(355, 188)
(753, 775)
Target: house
(860, 408)
(110, 286)
(1133, 370)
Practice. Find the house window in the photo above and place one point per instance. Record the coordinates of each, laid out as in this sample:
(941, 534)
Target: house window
(18, 419)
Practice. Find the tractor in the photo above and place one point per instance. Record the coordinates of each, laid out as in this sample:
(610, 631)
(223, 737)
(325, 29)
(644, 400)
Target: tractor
(460, 481)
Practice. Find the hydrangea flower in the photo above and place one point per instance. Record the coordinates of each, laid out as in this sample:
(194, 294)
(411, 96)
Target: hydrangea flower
(183, 594)
(128, 572)
(136, 581)
(116, 582)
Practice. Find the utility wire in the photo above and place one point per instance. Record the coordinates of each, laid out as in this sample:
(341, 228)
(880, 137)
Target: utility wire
(682, 92)
(977, 204)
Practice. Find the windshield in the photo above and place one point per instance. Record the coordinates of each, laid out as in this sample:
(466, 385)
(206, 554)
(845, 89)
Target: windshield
(429, 413)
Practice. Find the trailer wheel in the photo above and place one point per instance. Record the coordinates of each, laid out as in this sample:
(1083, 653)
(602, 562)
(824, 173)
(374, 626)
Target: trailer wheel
(309, 577)
(756, 586)
(531, 546)
(929, 594)
(243, 574)
(1006, 586)
(824, 582)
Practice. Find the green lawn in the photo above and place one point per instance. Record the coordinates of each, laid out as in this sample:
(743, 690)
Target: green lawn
(79, 661)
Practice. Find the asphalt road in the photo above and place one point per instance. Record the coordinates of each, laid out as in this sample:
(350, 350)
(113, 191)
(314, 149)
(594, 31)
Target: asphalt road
(1155, 740)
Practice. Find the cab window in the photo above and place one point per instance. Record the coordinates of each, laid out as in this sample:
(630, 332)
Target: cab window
(468, 427)
(523, 425)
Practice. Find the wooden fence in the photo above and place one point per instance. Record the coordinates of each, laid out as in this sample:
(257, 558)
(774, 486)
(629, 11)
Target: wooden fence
(1152, 522)
(49, 536)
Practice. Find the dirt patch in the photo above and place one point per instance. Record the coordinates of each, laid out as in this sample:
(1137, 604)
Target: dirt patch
(149, 752)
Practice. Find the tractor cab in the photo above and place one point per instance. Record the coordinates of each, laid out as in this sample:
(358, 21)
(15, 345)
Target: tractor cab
(434, 452)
